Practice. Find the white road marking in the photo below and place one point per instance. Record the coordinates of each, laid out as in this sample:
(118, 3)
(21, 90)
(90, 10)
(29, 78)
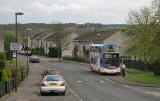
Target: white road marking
(101, 81)
(75, 94)
(152, 93)
(79, 81)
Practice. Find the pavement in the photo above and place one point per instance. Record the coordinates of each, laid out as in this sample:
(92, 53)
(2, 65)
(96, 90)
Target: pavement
(28, 89)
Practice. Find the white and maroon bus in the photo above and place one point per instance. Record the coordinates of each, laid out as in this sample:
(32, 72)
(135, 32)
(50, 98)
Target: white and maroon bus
(105, 58)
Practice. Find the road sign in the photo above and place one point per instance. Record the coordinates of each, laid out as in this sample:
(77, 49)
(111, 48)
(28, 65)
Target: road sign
(16, 46)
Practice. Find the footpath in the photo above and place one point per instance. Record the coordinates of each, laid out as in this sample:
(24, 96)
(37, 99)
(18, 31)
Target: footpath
(29, 88)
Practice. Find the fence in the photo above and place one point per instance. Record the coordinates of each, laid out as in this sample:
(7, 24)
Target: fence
(137, 64)
(6, 87)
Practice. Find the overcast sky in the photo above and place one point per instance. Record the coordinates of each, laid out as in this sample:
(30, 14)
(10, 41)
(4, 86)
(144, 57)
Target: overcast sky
(68, 11)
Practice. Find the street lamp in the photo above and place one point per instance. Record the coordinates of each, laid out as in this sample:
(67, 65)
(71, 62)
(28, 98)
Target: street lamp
(16, 14)
(28, 30)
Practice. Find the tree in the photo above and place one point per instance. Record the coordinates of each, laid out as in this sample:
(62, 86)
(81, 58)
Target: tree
(144, 34)
(9, 37)
(60, 38)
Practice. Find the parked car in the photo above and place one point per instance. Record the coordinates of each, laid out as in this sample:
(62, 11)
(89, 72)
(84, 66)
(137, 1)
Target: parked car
(29, 53)
(52, 83)
(21, 52)
(51, 72)
(34, 59)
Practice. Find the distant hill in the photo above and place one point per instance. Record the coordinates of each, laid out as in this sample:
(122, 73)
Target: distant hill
(38, 26)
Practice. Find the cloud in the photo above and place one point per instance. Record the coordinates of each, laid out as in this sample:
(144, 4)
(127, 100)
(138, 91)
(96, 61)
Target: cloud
(76, 11)
(6, 10)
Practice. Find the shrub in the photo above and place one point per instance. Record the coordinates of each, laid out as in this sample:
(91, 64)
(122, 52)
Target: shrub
(54, 52)
(9, 73)
(2, 60)
(38, 51)
(4, 76)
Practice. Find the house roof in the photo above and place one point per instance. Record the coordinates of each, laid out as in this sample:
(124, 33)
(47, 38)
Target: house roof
(95, 35)
(40, 35)
(52, 36)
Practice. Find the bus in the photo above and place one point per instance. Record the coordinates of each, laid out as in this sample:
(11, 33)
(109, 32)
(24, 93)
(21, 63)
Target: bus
(105, 58)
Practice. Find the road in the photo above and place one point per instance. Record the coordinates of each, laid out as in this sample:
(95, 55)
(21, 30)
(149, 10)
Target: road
(84, 85)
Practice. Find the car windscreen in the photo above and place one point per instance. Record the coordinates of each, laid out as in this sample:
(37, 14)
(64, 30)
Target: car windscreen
(52, 73)
(53, 78)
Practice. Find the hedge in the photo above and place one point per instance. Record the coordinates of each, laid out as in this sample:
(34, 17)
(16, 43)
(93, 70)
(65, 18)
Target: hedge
(38, 51)
(54, 52)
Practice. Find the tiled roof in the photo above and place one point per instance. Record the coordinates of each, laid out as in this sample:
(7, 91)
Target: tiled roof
(53, 37)
(39, 35)
(95, 35)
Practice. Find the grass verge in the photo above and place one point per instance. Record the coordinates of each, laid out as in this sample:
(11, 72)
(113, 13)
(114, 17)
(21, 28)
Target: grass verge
(147, 79)
(138, 72)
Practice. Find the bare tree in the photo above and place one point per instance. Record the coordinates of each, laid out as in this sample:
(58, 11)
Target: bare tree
(60, 38)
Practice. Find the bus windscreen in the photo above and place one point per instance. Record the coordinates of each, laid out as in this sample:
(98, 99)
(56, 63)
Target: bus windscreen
(111, 59)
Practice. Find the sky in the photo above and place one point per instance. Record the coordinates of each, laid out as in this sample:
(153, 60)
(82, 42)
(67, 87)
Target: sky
(69, 11)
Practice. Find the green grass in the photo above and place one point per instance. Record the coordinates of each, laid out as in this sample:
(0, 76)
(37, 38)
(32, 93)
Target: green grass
(138, 72)
(13, 63)
(144, 79)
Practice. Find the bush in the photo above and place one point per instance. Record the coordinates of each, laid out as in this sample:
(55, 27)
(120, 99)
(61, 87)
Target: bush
(4, 76)
(38, 51)
(54, 52)
(2, 60)
(9, 73)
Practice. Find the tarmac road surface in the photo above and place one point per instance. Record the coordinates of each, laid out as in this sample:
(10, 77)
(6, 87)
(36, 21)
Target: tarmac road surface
(84, 85)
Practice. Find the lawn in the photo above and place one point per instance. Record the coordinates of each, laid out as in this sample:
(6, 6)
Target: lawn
(138, 72)
(144, 79)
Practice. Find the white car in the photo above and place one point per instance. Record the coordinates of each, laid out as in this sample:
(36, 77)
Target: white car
(52, 83)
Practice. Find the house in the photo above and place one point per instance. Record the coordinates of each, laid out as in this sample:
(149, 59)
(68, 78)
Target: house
(67, 46)
(46, 40)
(1, 41)
(39, 40)
(83, 41)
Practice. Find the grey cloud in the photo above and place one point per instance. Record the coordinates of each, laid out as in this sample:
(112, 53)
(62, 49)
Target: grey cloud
(76, 11)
